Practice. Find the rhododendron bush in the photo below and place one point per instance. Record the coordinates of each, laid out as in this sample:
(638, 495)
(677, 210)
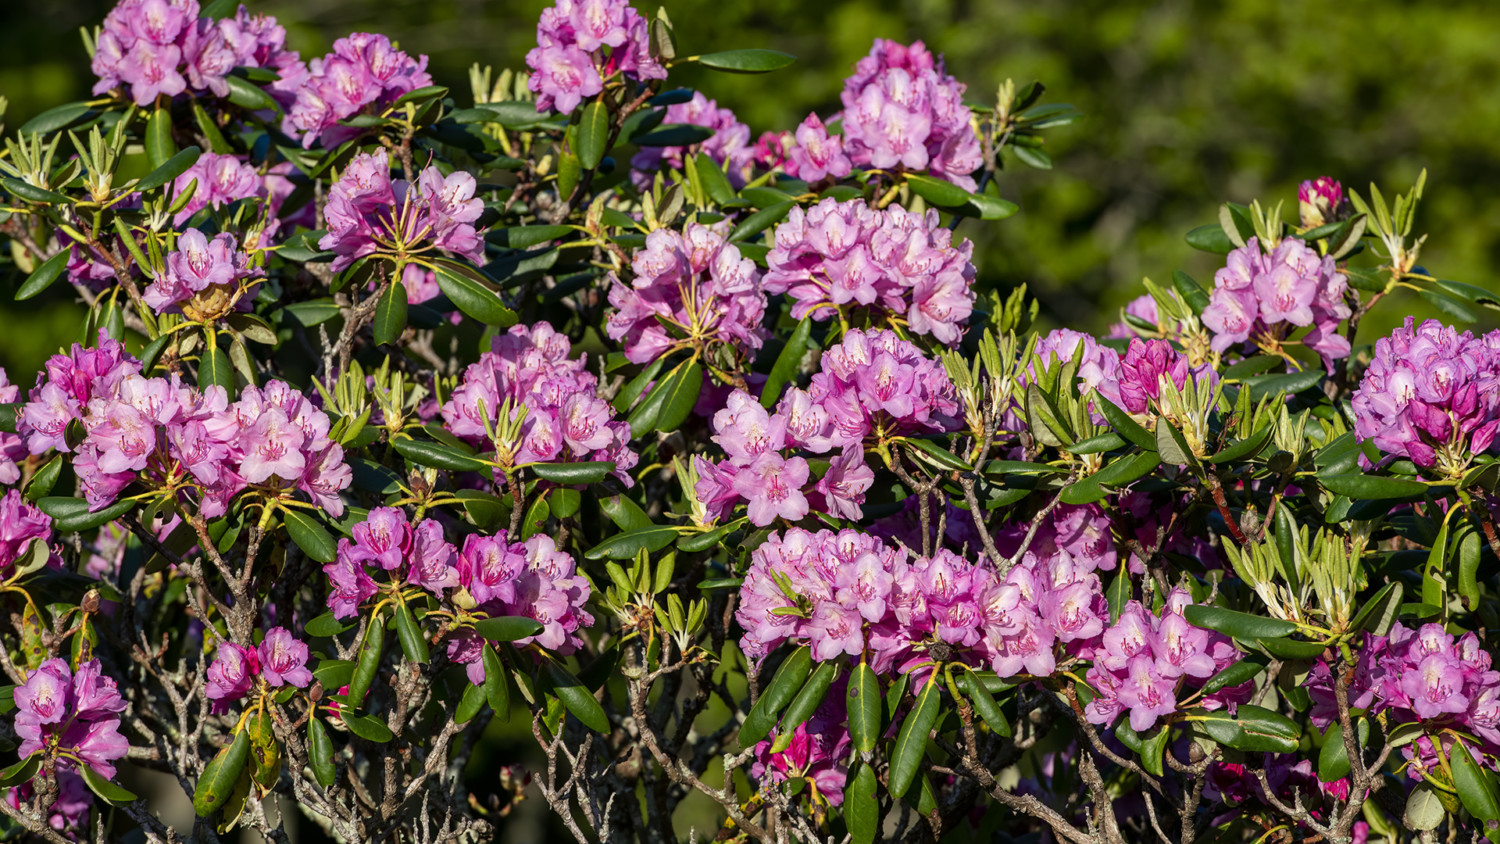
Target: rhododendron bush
(708, 461)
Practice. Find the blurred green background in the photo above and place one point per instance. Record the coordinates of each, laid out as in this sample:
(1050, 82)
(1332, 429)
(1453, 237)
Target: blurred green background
(1186, 104)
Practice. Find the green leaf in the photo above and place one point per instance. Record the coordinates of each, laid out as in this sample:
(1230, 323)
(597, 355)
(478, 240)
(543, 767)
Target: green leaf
(367, 727)
(707, 539)
(320, 753)
(1191, 291)
(624, 546)
(1475, 785)
(536, 517)
(21, 771)
(325, 626)
(469, 704)
(747, 61)
(42, 277)
(45, 479)
(577, 699)
(525, 237)
(1098, 444)
(984, 703)
(107, 791)
(439, 456)
(1372, 487)
(937, 191)
(862, 807)
(367, 666)
(1467, 544)
(681, 395)
(626, 514)
(711, 176)
(864, 703)
(309, 535)
(390, 314)
(312, 312)
(784, 685)
(1379, 612)
(334, 674)
(674, 135)
(55, 119)
(32, 193)
(593, 134)
(496, 686)
(573, 473)
(215, 369)
(911, 742)
(71, 515)
(938, 455)
(784, 371)
(413, 641)
(625, 399)
(469, 289)
(1288, 383)
(8, 413)
(805, 703)
(1253, 729)
(507, 628)
(159, 144)
(1171, 445)
(248, 95)
(760, 221)
(1210, 238)
(169, 170)
(1237, 624)
(1118, 594)
(1233, 675)
(265, 753)
(1424, 808)
(220, 776)
(1333, 756)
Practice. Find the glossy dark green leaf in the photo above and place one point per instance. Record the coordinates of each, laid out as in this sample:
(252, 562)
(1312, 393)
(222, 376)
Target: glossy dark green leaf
(1233, 675)
(55, 119)
(21, 771)
(911, 742)
(8, 413)
(760, 221)
(42, 277)
(747, 61)
(310, 536)
(507, 628)
(367, 727)
(1237, 624)
(862, 806)
(680, 398)
(320, 753)
(159, 144)
(334, 674)
(469, 703)
(775, 697)
(32, 193)
(467, 288)
(713, 179)
(674, 135)
(313, 312)
(169, 170)
(248, 95)
(390, 314)
(496, 685)
(1210, 238)
(413, 641)
(1333, 756)
(1379, 612)
(577, 699)
(1253, 729)
(45, 479)
(220, 775)
(864, 703)
(325, 626)
(807, 701)
(71, 515)
(1475, 785)
(573, 473)
(215, 369)
(626, 514)
(439, 456)
(788, 363)
(1371, 486)
(984, 703)
(367, 666)
(593, 134)
(938, 456)
(624, 546)
(107, 791)
(937, 191)
(1191, 291)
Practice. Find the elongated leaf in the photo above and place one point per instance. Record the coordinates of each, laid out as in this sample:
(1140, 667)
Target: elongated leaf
(248, 95)
(938, 456)
(624, 546)
(864, 703)
(367, 727)
(593, 134)
(159, 144)
(42, 277)
(107, 791)
(862, 807)
(682, 395)
(220, 776)
(367, 666)
(390, 314)
(310, 536)
(626, 514)
(577, 699)
(760, 221)
(573, 473)
(1253, 729)
(215, 369)
(320, 753)
(1475, 785)
(1424, 808)
(413, 641)
(32, 193)
(265, 753)
(1237, 624)
(169, 170)
(674, 135)
(325, 626)
(334, 674)
(507, 628)
(1371, 486)
(984, 703)
(784, 371)
(937, 191)
(711, 176)
(469, 704)
(496, 686)
(911, 742)
(57, 118)
(1191, 291)
(747, 61)
(21, 771)
(439, 456)
(805, 703)
(1233, 675)
(1379, 612)
(45, 479)
(466, 287)
(71, 515)
(784, 686)
(1210, 238)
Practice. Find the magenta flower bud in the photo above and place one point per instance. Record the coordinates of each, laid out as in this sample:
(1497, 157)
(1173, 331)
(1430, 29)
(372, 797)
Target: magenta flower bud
(1320, 201)
(283, 659)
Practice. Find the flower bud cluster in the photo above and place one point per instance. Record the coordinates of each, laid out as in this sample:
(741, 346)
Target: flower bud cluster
(368, 212)
(280, 660)
(839, 257)
(1320, 201)
(1431, 394)
(570, 61)
(364, 71)
(690, 288)
(1258, 294)
(1146, 664)
(175, 437)
(163, 47)
(204, 279)
(75, 714)
(565, 419)
(901, 109)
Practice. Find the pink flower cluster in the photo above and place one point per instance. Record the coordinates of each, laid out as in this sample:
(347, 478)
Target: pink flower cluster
(730, 145)
(690, 287)
(12, 447)
(1144, 661)
(369, 212)
(1137, 384)
(280, 660)
(365, 72)
(166, 433)
(815, 155)
(1098, 366)
(21, 524)
(501, 578)
(1292, 287)
(1423, 675)
(819, 752)
(566, 421)
(570, 62)
(902, 110)
(220, 180)
(203, 279)
(78, 713)
(840, 257)
(1079, 534)
(1431, 394)
(1320, 201)
(163, 47)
